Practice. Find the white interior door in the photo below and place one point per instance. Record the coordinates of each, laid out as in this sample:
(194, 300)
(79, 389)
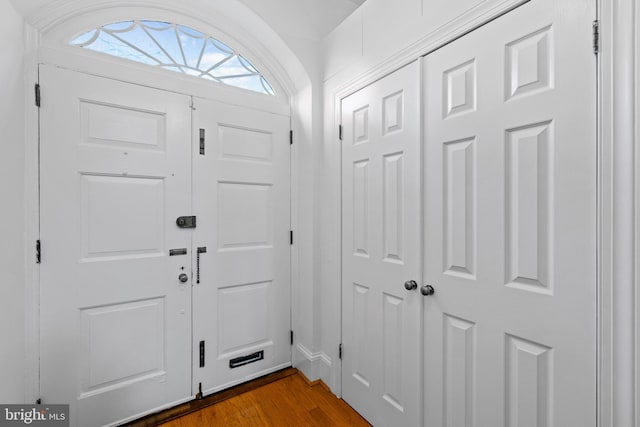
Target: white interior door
(241, 181)
(381, 201)
(510, 222)
(115, 319)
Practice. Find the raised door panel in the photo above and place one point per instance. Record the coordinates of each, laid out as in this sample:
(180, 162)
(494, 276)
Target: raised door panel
(393, 216)
(459, 356)
(529, 379)
(459, 208)
(529, 207)
(381, 247)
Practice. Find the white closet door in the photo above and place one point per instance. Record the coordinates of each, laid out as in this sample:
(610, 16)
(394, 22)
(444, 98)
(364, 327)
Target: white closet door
(115, 319)
(241, 181)
(510, 222)
(381, 201)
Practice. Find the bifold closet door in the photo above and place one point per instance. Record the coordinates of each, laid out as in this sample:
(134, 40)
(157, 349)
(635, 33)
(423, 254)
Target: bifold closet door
(242, 286)
(510, 222)
(381, 250)
(115, 319)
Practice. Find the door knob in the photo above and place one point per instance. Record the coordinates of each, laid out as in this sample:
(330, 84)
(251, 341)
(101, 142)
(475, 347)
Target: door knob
(410, 285)
(427, 290)
(183, 278)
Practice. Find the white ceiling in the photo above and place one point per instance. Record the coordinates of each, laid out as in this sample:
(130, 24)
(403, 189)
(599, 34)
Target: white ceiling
(312, 19)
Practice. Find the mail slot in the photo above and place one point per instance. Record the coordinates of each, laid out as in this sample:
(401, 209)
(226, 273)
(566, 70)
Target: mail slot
(245, 360)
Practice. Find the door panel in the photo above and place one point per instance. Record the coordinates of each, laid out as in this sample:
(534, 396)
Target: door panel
(115, 320)
(510, 222)
(381, 249)
(242, 201)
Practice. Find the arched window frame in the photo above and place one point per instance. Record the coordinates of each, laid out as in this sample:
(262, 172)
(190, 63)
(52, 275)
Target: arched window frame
(175, 47)
(55, 27)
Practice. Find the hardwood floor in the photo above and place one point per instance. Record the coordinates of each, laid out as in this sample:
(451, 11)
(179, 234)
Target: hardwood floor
(290, 401)
(284, 400)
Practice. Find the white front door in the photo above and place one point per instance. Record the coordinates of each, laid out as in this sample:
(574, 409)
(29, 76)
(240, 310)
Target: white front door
(115, 325)
(510, 222)
(241, 296)
(381, 201)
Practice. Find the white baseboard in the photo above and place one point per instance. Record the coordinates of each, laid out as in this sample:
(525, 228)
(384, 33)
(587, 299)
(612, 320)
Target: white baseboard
(314, 366)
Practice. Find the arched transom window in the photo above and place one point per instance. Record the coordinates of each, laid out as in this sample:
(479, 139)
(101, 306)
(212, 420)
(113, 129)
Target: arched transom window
(177, 48)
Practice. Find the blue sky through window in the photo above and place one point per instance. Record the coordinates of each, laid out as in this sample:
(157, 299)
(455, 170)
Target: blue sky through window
(176, 48)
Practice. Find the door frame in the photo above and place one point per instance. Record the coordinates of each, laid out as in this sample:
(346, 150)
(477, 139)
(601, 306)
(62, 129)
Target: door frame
(129, 72)
(618, 186)
(619, 213)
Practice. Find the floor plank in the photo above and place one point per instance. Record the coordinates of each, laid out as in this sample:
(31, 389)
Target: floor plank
(289, 401)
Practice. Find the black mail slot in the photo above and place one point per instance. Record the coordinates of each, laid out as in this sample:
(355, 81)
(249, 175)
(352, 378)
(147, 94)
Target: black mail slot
(245, 360)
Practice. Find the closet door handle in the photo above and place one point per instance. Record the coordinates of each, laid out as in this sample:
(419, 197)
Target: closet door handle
(427, 290)
(410, 285)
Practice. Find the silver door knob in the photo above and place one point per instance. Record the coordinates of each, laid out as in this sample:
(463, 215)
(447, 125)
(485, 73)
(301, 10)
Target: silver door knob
(427, 290)
(183, 278)
(410, 285)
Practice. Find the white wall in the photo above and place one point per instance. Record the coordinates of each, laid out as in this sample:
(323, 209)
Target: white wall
(377, 38)
(307, 125)
(12, 264)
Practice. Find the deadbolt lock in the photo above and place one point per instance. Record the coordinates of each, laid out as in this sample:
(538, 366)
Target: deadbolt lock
(186, 222)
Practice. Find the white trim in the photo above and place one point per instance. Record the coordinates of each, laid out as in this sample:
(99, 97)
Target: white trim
(294, 258)
(619, 80)
(314, 366)
(636, 248)
(314, 357)
(32, 226)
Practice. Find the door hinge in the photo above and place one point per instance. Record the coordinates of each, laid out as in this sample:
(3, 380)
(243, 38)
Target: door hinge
(37, 93)
(38, 252)
(596, 37)
(291, 336)
(202, 139)
(291, 237)
(202, 354)
(291, 137)
(340, 132)
(340, 351)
